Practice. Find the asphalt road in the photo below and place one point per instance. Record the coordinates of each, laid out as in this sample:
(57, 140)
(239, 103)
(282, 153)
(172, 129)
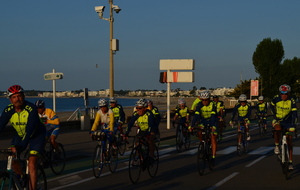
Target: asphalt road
(258, 169)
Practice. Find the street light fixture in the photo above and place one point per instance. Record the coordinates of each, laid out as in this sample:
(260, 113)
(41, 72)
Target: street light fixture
(114, 43)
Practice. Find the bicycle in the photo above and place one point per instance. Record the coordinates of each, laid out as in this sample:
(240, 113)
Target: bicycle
(204, 155)
(283, 156)
(242, 148)
(103, 156)
(120, 143)
(139, 160)
(261, 125)
(221, 127)
(53, 158)
(10, 180)
(183, 138)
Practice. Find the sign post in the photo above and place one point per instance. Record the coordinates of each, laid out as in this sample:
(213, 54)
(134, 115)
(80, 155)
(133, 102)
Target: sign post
(53, 76)
(176, 64)
(254, 88)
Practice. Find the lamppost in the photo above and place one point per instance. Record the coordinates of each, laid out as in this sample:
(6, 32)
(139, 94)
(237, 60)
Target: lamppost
(113, 43)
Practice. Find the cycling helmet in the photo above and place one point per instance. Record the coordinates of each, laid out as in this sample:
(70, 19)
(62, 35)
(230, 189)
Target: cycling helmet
(215, 96)
(204, 95)
(14, 89)
(284, 89)
(112, 100)
(141, 102)
(40, 104)
(181, 101)
(243, 98)
(260, 98)
(102, 102)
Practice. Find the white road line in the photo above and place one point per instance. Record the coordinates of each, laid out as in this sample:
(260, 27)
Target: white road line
(223, 181)
(257, 160)
(262, 150)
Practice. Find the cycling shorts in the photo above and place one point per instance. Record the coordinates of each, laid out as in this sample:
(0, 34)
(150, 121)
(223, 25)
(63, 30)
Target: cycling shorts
(36, 144)
(53, 131)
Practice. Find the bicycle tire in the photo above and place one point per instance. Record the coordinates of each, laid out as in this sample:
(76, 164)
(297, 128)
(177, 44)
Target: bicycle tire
(57, 159)
(245, 143)
(240, 146)
(209, 157)
(285, 164)
(187, 138)
(201, 158)
(4, 181)
(42, 179)
(153, 167)
(121, 146)
(178, 139)
(135, 165)
(113, 157)
(98, 161)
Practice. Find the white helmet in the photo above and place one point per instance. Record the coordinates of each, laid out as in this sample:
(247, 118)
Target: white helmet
(112, 100)
(102, 102)
(204, 94)
(141, 102)
(284, 89)
(260, 98)
(243, 98)
(181, 101)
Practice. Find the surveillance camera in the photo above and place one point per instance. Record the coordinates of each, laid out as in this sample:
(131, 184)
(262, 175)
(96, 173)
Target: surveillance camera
(99, 9)
(116, 8)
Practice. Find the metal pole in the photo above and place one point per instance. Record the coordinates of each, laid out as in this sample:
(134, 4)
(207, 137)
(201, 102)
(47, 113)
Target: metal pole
(54, 93)
(111, 55)
(168, 102)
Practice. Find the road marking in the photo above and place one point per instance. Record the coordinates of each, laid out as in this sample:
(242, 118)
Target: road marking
(262, 150)
(257, 160)
(227, 150)
(223, 181)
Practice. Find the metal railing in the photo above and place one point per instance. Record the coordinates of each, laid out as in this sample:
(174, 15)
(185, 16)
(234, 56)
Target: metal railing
(81, 111)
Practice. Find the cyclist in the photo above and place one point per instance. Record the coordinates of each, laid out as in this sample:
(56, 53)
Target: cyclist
(261, 111)
(145, 122)
(156, 115)
(182, 113)
(285, 116)
(195, 103)
(220, 114)
(205, 115)
(119, 114)
(50, 120)
(243, 109)
(24, 117)
(105, 119)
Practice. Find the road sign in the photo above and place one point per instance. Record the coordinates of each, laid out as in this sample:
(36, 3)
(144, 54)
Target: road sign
(180, 77)
(177, 64)
(53, 76)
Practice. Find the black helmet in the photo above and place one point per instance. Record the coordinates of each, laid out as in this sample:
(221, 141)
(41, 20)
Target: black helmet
(40, 104)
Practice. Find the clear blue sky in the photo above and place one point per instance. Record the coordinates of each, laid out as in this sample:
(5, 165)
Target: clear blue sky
(68, 36)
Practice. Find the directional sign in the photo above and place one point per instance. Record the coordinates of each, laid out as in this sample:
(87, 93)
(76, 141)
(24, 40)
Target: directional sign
(177, 64)
(53, 76)
(180, 77)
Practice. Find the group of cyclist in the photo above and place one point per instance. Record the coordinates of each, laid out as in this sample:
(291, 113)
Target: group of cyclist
(211, 113)
(34, 124)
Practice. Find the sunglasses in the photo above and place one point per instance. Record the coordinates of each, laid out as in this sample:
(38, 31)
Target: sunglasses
(138, 108)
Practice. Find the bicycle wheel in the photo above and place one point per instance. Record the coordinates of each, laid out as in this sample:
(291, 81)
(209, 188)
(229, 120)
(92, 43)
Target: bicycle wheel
(153, 167)
(57, 159)
(245, 143)
(121, 146)
(187, 138)
(113, 155)
(4, 181)
(135, 165)
(285, 164)
(42, 179)
(240, 146)
(201, 158)
(178, 139)
(98, 161)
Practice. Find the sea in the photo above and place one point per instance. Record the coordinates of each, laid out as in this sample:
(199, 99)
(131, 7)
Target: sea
(70, 104)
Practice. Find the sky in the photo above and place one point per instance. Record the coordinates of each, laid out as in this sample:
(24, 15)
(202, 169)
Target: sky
(68, 36)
